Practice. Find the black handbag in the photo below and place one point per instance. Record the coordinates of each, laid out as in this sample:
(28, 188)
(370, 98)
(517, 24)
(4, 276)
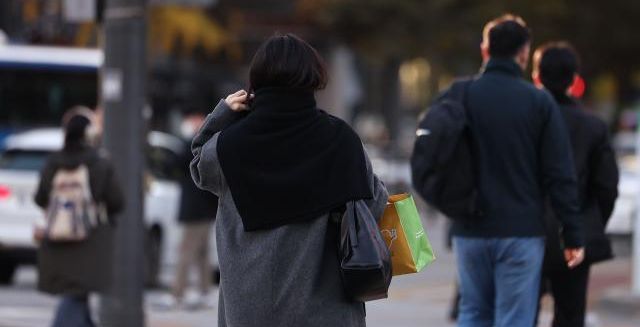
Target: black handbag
(365, 261)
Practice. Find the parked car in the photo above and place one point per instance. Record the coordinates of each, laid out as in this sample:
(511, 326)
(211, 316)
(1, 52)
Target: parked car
(626, 208)
(25, 154)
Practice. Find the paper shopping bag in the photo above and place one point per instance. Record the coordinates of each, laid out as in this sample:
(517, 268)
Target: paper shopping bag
(402, 230)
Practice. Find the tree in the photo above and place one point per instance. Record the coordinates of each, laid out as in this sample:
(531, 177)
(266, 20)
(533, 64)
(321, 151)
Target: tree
(448, 32)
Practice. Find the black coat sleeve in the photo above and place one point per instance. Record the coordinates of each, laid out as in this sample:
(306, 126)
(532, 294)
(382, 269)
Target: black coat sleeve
(559, 175)
(604, 176)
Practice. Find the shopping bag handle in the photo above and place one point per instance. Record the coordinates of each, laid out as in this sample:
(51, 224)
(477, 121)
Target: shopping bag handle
(398, 197)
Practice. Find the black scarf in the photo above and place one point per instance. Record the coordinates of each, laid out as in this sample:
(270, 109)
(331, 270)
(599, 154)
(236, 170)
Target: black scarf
(288, 162)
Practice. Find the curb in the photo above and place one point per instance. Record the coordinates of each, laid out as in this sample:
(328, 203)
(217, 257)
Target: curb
(620, 301)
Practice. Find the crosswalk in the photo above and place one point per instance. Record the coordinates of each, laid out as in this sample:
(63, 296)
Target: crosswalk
(21, 316)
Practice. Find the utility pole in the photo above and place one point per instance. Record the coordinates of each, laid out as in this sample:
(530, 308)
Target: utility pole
(635, 287)
(123, 79)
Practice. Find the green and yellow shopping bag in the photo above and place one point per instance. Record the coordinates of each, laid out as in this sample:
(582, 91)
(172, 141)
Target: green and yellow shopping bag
(403, 232)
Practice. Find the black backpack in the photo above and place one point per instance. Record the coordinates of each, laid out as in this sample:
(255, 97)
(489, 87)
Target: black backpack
(442, 165)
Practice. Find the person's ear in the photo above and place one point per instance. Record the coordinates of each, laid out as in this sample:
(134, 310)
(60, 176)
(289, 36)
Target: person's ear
(522, 58)
(578, 86)
(484, 52)
(535, 77)
(92, 134)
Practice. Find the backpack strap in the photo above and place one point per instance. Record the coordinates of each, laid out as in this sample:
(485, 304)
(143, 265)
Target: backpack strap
(459, 91)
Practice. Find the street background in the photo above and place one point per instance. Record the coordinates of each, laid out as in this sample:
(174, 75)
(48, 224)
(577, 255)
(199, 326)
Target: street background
(416, 300)
(387, 60)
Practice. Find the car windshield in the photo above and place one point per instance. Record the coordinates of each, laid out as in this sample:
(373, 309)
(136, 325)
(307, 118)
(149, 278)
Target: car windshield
(23, 160)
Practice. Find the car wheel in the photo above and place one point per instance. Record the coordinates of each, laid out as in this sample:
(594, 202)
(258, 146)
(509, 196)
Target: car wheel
(153, 250)
(7, 270)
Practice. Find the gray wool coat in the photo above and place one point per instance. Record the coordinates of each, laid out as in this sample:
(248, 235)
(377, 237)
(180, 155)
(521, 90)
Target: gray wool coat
(286, 276)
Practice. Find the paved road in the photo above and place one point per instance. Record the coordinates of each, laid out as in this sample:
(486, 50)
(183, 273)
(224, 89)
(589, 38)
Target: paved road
(414, 300)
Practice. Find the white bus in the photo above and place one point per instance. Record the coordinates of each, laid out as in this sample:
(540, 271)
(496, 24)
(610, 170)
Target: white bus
(37, 84)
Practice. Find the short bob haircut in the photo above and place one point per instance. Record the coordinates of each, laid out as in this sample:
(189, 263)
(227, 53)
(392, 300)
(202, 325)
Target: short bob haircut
(505, 36)
(557, 64)
(286, 61)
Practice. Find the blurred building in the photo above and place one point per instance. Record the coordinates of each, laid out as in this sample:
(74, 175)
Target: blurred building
(196, 53)
(192, 56)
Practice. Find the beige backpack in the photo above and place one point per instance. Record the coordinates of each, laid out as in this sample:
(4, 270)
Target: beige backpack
(72, 213)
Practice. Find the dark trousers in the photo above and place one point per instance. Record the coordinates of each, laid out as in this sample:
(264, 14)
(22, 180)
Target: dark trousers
(73, 311)
(568, 287)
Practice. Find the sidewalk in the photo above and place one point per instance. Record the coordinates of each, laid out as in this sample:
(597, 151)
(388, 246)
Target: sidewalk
(418, 300)
(423, 299)
(414, 300)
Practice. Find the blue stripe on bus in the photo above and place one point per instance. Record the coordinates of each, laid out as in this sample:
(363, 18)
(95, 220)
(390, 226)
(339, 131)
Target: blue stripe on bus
(48, 67)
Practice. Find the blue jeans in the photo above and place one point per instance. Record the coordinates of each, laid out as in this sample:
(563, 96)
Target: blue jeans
(73, 311)
(499, 280)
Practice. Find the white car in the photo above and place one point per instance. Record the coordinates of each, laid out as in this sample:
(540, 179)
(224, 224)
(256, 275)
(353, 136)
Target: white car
(626, 208)
(20, 163)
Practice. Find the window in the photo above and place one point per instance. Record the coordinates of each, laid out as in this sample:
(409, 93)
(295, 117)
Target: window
(34, 95)
(23, 160)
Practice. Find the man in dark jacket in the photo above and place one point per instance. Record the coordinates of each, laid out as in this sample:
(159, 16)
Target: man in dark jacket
(522, 154)
(197, 214)
(555, 67)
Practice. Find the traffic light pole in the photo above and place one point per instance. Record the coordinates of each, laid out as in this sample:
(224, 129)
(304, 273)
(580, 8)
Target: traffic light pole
(123, 79)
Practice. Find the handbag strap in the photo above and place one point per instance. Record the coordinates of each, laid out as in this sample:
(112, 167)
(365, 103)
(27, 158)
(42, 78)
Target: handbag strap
(337, 215)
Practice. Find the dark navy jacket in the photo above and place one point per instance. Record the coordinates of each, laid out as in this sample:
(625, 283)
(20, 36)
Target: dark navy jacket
(522, 154)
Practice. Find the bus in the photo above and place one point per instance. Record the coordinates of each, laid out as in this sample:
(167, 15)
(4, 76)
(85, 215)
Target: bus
(38, 83)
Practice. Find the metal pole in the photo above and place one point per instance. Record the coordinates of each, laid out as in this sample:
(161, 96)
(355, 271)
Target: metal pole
(636, 229)
(123, 80)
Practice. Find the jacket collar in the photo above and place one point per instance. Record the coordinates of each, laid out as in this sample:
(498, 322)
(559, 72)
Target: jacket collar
(505, 66)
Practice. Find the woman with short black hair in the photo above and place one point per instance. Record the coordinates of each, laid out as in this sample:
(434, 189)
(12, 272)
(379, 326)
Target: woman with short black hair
(280, 166)
(555, 67)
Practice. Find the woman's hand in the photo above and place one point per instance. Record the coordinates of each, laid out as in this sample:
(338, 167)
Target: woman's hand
(238, 101)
